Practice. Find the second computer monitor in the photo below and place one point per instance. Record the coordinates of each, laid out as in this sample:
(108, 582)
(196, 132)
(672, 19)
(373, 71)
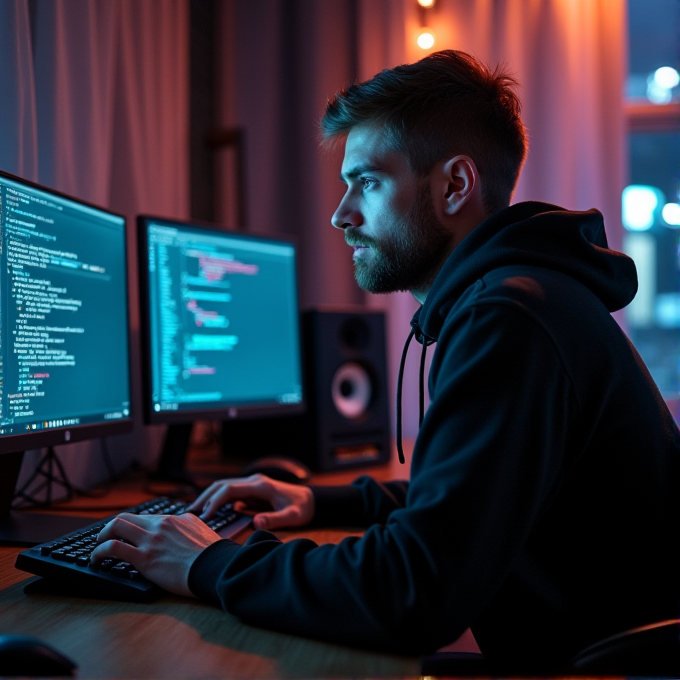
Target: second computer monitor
(220, 323)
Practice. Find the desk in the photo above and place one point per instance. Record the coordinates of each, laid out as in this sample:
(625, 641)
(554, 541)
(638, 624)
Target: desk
(176, 637)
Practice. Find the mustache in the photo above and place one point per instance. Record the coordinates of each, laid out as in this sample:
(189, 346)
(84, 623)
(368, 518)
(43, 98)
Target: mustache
(353, 239)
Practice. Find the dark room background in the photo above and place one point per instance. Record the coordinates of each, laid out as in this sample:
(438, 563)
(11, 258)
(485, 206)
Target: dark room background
(209, 108)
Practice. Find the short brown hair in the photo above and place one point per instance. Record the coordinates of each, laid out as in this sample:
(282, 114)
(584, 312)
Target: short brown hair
(446, 104)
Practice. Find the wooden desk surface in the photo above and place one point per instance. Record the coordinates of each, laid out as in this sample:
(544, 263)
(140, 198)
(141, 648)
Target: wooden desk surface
(176, 637)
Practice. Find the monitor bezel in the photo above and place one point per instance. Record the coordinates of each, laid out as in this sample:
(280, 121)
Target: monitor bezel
(222, 412)
(36, 439)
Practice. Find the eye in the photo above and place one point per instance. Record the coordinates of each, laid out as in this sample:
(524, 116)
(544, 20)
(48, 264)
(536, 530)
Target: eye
(367, 183)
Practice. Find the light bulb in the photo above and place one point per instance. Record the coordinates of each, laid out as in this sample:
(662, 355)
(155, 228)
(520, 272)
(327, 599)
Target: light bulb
(426, 3)
(426, 39)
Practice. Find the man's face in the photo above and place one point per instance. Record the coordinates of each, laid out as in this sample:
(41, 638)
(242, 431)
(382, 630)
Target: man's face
(388, 217)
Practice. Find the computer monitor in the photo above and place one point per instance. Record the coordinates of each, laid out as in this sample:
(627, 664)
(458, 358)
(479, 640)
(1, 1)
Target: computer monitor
(64, 335)
(220, 329)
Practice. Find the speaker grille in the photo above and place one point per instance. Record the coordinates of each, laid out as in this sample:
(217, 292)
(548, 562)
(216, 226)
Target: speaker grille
(355, 334)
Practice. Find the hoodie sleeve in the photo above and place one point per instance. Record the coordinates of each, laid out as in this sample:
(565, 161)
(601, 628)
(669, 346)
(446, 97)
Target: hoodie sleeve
(483, 464)
(360, 504)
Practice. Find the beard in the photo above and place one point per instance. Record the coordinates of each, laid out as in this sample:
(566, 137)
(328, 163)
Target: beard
(412, 256)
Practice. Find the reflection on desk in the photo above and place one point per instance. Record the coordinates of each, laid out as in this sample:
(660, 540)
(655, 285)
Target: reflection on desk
(176, 637)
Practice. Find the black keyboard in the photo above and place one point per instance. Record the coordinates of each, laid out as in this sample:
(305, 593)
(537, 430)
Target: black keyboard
(65, 562)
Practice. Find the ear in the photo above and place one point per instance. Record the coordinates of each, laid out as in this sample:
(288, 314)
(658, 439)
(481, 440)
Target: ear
(460, 183)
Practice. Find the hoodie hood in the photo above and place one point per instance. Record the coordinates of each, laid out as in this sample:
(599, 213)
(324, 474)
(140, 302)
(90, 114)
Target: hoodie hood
(535, 234)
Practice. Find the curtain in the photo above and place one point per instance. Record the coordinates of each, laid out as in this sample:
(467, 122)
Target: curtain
(283, 59)
(95, 104)
(18, 133)
(280, 61)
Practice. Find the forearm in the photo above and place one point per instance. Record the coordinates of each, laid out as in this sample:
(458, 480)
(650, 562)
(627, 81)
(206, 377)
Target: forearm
(321, 592)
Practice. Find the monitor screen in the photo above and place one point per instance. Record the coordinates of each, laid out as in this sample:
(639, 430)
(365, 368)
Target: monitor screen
(64, 346)
(220, 321)
(64, 335)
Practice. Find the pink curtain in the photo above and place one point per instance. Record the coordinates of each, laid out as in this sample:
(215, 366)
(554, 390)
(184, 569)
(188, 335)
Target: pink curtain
(18, 133)
(98, 108)
(280, 60)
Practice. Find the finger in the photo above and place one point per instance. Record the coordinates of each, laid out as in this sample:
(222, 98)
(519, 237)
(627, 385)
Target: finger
(118, 550)
(214, 489)
(288, 517)
(201, 499)
(208, 508)
(257, 488)
(125, 527)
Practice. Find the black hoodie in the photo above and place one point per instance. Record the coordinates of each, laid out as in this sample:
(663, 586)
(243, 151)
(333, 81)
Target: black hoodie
(542, 508)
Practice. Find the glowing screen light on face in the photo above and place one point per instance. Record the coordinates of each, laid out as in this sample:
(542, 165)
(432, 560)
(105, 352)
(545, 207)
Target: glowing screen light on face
(639, 205)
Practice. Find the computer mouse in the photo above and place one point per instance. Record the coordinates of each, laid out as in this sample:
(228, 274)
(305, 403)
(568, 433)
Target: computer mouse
(28, 656)
(281, 468)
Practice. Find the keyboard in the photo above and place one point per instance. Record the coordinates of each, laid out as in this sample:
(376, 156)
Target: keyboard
(65, 562)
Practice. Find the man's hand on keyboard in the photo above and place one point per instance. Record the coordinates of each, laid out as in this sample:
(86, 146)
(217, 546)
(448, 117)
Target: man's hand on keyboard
(287, 505)
(162, 547)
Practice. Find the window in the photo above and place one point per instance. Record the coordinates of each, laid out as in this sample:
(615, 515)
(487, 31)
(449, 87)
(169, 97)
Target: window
(651, 201)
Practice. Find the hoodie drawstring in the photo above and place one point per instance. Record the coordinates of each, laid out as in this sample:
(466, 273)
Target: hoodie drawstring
(421, 387)
(421, 384)
(400, 380)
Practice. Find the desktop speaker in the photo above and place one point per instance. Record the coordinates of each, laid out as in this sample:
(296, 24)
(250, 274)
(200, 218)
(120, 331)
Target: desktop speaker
(346, 424)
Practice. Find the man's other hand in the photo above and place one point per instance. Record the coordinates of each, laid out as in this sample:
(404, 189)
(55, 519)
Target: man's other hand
(277, 504)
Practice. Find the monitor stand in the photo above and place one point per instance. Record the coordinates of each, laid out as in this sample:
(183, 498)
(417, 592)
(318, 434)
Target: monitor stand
(28, 528)
(171, 466)
(172, 463)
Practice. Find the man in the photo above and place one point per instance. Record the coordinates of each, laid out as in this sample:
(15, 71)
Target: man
(542, 505)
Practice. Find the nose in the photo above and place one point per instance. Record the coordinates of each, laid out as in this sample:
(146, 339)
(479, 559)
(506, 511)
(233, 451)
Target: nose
(347, 214)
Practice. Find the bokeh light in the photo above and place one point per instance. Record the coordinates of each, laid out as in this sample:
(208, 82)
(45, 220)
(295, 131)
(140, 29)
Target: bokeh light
(426, 39)
(639, 204)
(671, 214)
(667, 77)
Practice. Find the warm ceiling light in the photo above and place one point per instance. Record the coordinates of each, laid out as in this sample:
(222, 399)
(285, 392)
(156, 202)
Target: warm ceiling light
(426, 39)
(426, 3)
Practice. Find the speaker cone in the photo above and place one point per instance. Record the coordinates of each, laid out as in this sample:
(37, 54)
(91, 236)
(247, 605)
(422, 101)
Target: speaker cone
(351, 390)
